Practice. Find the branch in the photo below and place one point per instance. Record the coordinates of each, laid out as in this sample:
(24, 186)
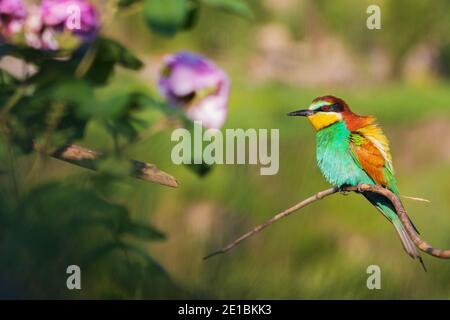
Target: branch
(421, 244)
(86, 158)
(401, 212)
(275, 218)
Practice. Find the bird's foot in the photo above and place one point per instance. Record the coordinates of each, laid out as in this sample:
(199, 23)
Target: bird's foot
(342, 191)
(359, 187)
(345, 192)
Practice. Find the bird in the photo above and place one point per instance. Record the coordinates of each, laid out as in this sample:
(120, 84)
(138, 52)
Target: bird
(352, 150)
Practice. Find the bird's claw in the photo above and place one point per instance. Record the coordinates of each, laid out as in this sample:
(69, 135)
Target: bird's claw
(342, 191)
(346, 192)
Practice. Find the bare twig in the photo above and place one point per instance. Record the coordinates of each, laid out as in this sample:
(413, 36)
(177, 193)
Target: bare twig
(86, 158)
(421, 244)
(275, 218)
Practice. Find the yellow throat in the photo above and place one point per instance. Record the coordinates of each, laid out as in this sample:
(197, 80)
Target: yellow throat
(321, 119)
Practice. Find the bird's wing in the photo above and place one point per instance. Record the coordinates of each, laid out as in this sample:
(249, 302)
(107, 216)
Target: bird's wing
(370, 149)
(374, 133)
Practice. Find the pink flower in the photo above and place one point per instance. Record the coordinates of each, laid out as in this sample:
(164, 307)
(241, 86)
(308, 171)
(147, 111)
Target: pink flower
(78, 16)
(37, 35)
(196, 85)
(44, 24)
(12, 16)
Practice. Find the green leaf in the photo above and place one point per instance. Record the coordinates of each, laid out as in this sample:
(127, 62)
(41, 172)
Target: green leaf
(8, 85)
(233, 6)
(170, 110)
(165, 17)
(52, 113)
(109, 106)
(127, 3)
(143, 232)
(74, 91)
(191, 17)
(108, 53)
(6, 80)
(112, 51)
(27, 53)
(99, 60)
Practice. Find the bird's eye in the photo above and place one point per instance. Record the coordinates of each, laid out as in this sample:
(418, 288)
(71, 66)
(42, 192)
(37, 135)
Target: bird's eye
(325, 108)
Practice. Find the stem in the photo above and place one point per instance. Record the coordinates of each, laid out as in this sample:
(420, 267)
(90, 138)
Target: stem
(12, 165)
(12, 101)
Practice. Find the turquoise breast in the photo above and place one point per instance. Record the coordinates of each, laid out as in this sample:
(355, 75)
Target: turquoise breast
(335, 159)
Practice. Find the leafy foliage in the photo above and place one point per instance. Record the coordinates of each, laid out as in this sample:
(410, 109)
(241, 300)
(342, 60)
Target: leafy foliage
(57, 225)
(171, 16)
(232, 6)
(47, 226)
(165, 17)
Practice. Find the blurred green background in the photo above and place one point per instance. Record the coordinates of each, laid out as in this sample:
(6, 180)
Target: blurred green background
(287, 53)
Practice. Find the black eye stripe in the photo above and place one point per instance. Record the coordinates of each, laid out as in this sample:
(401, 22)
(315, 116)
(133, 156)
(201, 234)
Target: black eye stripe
(337, 107)
(332, 108)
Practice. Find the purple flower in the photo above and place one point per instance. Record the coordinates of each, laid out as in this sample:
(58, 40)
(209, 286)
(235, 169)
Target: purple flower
(196, 85)
(78, 16)
(36, 35)
(45, 25)
(12, 16)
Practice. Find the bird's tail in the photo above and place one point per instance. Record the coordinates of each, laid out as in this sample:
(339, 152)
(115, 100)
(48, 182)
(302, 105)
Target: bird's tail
(385, 206)
(408, 244)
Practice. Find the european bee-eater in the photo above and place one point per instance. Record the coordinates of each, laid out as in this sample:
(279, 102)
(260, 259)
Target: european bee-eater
(351, 150)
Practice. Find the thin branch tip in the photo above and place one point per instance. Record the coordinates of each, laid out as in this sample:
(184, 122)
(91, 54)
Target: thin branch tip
(212, 254)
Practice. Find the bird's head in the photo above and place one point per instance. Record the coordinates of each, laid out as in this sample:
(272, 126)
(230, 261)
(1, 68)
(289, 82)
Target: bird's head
(324, 111)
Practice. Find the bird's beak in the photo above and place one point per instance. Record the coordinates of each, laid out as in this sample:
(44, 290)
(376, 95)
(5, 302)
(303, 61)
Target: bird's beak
(303, 113)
